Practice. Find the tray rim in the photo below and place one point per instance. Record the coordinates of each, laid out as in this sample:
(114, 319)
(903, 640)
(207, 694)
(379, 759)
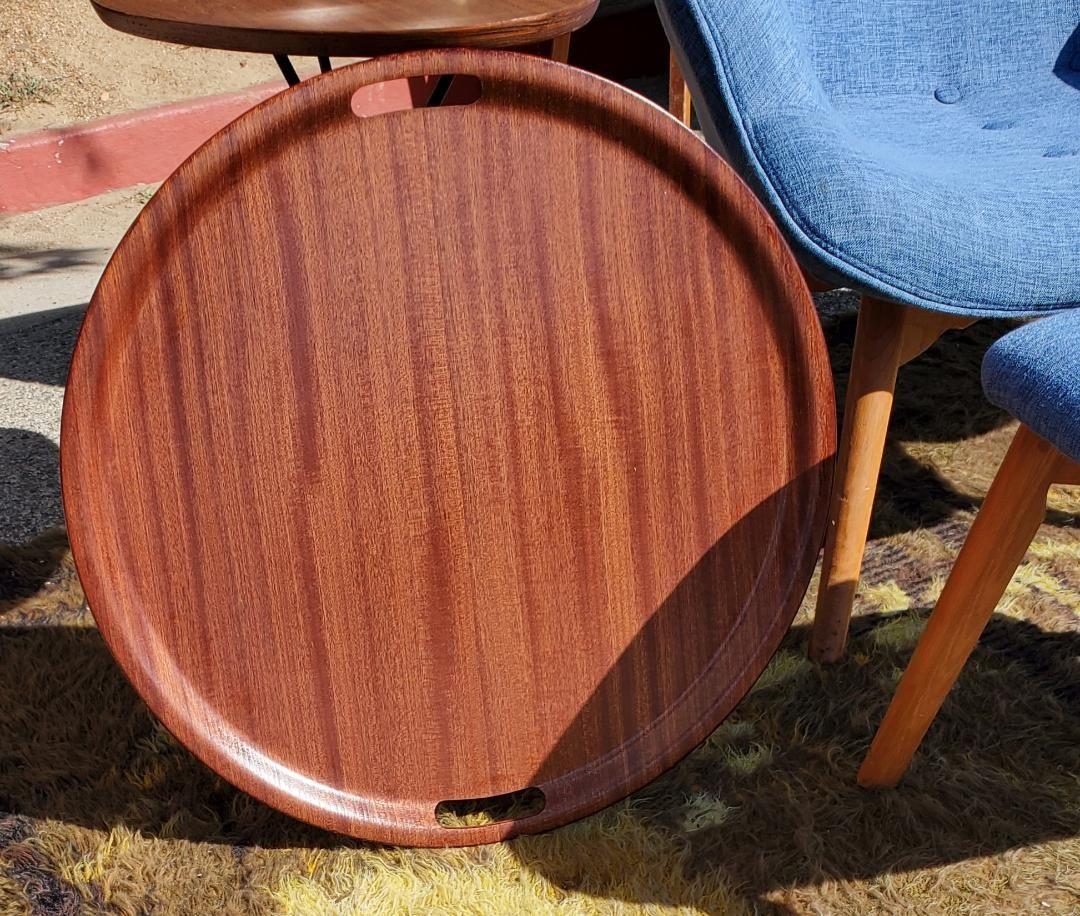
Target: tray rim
(318, 807)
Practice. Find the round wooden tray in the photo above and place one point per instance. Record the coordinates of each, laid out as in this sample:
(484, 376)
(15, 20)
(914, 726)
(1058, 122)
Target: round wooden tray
(448, 453)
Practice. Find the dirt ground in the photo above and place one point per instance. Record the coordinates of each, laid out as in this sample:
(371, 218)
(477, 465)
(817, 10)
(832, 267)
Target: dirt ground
(60, 64)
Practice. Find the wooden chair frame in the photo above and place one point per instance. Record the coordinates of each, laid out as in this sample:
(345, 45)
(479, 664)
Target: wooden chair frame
(1000, 536)
(680, 104)
(888, 335)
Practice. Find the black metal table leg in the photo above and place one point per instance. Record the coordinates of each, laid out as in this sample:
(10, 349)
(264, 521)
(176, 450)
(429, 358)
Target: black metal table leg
(287, 69)
(438, 94)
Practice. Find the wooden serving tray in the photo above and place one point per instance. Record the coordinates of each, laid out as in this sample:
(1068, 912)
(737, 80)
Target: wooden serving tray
(447, 453)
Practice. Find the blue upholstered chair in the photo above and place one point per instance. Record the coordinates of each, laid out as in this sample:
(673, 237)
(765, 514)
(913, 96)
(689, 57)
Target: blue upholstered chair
(924, 152)
(1034, 373)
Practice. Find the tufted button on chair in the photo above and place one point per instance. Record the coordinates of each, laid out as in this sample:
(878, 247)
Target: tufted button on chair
(924, 152)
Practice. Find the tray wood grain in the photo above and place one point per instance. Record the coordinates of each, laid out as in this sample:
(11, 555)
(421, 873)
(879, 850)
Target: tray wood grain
(448, 452)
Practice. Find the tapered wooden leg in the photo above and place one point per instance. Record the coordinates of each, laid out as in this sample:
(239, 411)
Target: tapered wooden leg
(679, 102)
(874, 364)
(560, 48)
(888, 335)
(999, 538)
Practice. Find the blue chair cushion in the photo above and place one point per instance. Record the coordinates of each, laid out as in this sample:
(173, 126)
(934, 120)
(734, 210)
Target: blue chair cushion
(1034, 373)
(923, 150)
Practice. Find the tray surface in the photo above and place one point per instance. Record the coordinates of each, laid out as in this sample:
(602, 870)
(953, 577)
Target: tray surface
(346, 28)
(449, 452)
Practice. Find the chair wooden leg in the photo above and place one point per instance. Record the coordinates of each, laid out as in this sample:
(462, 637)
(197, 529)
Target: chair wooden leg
(888, 335)
(560, 48)
(679, 102)
(999, 538)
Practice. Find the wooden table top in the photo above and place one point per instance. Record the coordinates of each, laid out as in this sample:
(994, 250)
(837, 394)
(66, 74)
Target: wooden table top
(346, 28)
(447, 453)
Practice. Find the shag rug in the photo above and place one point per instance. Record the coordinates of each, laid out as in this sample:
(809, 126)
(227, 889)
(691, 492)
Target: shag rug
(101, 811)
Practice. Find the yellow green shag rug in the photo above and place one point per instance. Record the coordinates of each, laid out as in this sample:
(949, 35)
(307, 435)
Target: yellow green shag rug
(102, 812)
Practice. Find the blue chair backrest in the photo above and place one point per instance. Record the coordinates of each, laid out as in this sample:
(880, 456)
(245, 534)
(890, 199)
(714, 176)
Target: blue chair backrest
(778, 52)
(900, 46)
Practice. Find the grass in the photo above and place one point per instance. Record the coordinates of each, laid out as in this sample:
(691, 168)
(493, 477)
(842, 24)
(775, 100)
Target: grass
(101, 810)
(20, 88)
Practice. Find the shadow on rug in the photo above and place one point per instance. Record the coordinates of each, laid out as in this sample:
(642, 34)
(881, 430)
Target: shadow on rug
(101, 811)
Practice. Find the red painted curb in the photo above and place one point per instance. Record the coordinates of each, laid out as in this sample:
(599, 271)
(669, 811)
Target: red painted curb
(50, 167)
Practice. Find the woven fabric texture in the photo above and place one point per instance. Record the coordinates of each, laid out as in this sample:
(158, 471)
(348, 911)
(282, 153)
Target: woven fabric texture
(1034, 374)
(923, 150)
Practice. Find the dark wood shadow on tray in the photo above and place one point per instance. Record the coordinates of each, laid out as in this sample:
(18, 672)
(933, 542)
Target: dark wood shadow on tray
(769, 801)
(727, 595)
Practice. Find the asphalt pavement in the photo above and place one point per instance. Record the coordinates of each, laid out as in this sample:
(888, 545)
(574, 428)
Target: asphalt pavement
(50, 262)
